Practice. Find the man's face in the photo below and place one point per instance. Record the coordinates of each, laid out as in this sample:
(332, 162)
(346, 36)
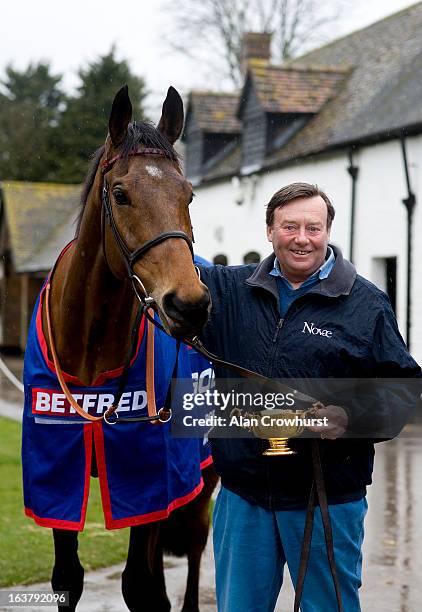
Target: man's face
(299, 236)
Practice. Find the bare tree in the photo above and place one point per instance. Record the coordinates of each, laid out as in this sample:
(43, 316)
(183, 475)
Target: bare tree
(211, 31)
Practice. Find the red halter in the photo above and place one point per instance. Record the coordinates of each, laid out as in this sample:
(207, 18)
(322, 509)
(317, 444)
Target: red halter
(108, 163)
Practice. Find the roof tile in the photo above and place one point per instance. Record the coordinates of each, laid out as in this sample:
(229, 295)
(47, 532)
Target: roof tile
(291, 90)
(215, 112)
(381, 93)
(36, 214)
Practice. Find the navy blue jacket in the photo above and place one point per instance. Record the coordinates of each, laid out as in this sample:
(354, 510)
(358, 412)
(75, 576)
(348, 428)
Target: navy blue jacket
(245, 327)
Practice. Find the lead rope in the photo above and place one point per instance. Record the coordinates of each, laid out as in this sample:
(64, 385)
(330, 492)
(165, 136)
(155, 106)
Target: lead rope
(128, 360)
(317, 491)
(165, 411)
(59, 372)
(326, 520)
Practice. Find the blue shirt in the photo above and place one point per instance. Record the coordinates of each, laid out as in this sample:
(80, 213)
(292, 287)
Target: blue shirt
(287, 293)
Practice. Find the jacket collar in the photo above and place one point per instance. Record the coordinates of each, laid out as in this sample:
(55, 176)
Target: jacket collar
(339, 282)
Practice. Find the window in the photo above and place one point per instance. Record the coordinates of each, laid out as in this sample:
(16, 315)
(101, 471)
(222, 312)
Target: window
(384, 275)
(252, 258)
(220, 259)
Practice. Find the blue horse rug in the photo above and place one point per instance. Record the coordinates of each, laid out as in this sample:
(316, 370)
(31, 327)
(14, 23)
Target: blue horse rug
(144, 472)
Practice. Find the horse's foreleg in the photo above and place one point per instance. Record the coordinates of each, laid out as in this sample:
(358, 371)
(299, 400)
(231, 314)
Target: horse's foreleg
(197, 522)
(143, 585)
(195, 549)
(68, 573)
(191, 601)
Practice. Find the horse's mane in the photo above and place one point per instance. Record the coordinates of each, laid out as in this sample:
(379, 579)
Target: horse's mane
(138, 133)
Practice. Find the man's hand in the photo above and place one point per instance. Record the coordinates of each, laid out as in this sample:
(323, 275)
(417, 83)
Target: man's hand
(337, 420)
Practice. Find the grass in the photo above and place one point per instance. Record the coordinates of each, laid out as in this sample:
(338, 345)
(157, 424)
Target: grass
(26, 550)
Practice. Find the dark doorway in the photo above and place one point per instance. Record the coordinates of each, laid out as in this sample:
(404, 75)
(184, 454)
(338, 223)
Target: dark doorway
(391, 280)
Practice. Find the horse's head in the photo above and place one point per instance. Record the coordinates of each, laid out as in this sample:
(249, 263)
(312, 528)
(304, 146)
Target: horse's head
(147, 197)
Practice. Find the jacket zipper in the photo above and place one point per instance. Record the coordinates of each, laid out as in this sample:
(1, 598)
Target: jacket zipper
(277, 330)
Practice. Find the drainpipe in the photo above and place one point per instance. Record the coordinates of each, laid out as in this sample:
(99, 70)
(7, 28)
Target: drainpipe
(353, 171)
(409, 203)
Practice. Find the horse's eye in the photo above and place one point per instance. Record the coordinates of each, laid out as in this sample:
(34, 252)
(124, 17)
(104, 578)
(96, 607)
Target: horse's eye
(191, 198)
(120, 197)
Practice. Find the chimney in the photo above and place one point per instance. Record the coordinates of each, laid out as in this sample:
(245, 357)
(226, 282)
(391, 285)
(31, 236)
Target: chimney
(255, 46)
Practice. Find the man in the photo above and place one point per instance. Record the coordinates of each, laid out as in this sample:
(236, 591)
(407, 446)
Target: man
(264, 318)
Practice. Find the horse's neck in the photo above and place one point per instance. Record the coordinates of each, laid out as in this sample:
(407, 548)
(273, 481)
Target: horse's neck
(92, 312)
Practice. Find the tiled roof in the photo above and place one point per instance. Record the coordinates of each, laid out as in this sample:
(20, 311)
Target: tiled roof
(229, 166)
(293, 90)
(215, 112)
(380, 95)
(40, 220)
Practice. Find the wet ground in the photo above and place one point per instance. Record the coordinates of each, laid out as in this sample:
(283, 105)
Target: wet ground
(392, 570)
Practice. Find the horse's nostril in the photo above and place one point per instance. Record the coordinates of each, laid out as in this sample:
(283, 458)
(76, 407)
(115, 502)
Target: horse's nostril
(194, 314)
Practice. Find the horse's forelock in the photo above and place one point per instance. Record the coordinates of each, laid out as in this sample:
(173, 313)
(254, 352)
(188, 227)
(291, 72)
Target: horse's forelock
(146, 134)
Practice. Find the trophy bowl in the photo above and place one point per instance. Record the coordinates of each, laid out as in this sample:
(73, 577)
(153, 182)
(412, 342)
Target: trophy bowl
(276, 426)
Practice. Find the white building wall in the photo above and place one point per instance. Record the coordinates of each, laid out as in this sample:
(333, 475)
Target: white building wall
(380, 228)
(381, 223)
(223, 226)
(415, 161)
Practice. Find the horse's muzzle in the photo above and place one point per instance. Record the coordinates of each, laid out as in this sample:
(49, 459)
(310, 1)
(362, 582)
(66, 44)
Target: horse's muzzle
(186, 318)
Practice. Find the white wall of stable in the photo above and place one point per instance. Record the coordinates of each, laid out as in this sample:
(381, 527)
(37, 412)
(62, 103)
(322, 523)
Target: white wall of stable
(223, 226)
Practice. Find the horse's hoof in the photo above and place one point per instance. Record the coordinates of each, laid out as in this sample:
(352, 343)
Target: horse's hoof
(71, 581)
(138, 599)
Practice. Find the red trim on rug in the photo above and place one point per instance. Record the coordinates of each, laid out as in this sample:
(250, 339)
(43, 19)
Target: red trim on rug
(71, 525)
(140, 519)
(88, 441)
(54, 523)
(159, 514)
(102, 470)
(206, 462)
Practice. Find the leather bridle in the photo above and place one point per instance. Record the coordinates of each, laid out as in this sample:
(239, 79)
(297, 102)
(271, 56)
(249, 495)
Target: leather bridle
(131, 257)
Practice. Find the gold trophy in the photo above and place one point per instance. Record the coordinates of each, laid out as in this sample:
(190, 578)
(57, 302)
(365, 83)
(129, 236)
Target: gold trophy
(276, 426)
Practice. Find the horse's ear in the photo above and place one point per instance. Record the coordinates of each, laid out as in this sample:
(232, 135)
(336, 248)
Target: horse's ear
(121, 114)
(171, 122)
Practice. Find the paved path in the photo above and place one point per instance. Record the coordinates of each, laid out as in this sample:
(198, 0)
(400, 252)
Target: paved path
(102, 588)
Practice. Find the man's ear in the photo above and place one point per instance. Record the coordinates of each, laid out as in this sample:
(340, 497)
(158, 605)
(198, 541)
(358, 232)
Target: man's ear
(269, 233)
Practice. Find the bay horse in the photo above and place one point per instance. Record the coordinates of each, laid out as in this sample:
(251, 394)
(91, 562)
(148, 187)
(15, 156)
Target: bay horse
(134, 228)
